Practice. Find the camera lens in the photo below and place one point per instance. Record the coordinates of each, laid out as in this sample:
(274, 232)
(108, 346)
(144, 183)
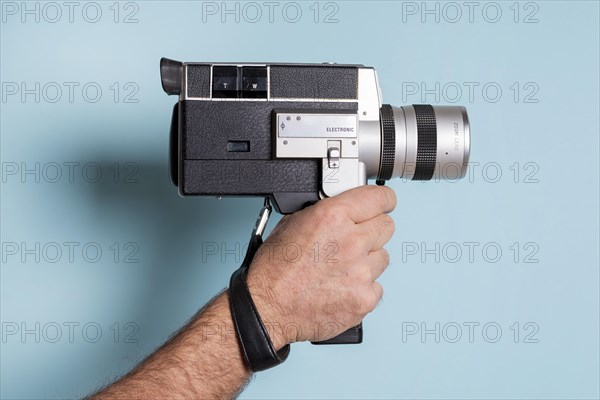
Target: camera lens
(421, 142)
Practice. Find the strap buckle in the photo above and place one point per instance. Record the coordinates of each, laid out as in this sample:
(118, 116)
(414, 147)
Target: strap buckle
(263, 218)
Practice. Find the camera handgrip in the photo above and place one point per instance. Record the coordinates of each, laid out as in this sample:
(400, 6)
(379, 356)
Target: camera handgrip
(353, 335)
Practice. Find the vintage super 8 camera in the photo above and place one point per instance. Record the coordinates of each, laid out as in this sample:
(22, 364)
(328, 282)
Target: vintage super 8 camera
(296, 133)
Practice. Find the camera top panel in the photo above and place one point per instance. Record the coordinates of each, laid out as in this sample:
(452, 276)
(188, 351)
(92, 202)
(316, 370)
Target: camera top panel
(270, 82)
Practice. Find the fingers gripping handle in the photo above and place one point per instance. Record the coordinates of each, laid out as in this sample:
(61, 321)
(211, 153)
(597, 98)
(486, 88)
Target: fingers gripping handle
(353, 335)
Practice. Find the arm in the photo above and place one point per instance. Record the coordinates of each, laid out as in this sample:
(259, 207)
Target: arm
(203, 360)
(313, 278)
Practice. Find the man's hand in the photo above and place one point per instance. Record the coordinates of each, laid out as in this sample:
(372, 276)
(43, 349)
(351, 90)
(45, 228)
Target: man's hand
(315, 276)
(316, 270)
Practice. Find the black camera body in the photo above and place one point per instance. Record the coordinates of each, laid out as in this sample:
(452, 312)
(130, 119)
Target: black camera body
(296, 133)
(222, 136)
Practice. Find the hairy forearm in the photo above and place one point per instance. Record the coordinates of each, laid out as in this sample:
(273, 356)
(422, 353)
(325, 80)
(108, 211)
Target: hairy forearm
(202, 361)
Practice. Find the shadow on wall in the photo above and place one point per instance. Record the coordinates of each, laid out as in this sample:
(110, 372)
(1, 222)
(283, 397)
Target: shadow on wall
(146, 206)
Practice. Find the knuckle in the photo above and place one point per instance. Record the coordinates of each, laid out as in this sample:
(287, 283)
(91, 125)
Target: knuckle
(388, 220)
(359, 239)
(390, 196)
(329, 213)
(364, 306)
(380, 197)
(320, 210)
(393, 198)
(385, 255)
(351, 245)
(363, 275)
(385, 227)
(365, 301)
(340, 210)
(381, 223)
(391, 225)
(356, 302)
(373, 303)
(377, 294)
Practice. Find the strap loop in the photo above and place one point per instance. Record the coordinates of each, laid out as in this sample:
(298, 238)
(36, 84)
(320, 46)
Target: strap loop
(252, 335)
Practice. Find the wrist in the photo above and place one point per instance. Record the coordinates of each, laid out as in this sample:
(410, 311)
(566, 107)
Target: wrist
(270, 315)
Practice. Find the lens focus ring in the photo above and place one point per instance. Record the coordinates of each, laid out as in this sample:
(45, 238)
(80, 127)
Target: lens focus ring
(388, 143)
(426, 142)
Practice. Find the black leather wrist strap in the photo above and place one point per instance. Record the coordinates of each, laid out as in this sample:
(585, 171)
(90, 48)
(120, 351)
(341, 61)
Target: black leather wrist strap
(252, 335)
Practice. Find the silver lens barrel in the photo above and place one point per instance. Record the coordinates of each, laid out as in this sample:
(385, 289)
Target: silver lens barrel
(428, 142)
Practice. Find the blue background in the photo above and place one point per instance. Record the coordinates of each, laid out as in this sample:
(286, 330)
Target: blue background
(551, 206)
